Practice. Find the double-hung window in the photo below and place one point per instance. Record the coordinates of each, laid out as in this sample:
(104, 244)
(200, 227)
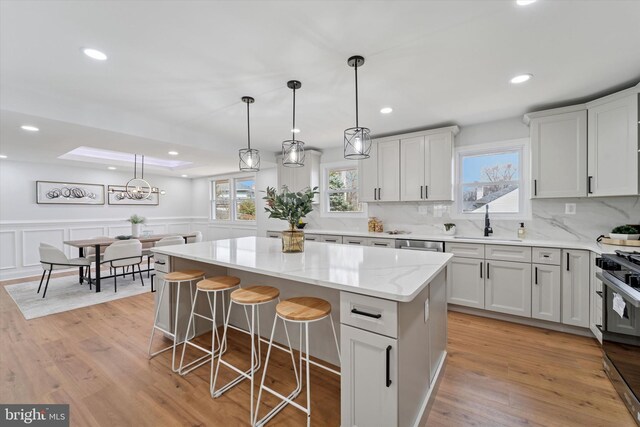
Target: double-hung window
(340, 189)
(233, 199)
(491, 175)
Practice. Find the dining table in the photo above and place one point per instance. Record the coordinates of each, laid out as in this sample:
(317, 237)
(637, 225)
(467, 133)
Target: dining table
(101, 242)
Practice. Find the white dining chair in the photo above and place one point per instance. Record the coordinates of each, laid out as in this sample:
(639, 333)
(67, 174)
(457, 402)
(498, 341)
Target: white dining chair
(126, 253)
(52, 258)
(90, 254)
(195, 239)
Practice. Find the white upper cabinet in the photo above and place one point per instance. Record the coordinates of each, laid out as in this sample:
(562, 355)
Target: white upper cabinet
(307, 176)
(426, 165)
(380, 173)
(613, 145)
(558, 152)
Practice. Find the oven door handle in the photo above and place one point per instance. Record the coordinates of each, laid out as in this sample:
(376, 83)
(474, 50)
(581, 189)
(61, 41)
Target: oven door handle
(631, 299)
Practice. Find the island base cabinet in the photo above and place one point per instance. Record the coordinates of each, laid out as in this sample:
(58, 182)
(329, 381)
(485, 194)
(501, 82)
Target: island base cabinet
(508, 287)
(465, 282)
(369, 395)
(545, 292)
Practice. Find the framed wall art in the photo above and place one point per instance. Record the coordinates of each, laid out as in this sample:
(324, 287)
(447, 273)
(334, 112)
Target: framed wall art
(69, 193)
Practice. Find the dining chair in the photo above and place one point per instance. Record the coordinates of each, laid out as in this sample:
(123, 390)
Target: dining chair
(195, 239)
(127, 253)
(90, 254)
(52, 258)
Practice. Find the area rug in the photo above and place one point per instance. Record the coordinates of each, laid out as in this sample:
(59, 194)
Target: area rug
(65, 293)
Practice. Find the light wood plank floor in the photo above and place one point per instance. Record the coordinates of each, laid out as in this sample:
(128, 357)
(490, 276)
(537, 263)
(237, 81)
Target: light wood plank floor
(497, 374)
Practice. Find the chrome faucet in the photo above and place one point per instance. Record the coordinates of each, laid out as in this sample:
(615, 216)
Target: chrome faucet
(487, 224)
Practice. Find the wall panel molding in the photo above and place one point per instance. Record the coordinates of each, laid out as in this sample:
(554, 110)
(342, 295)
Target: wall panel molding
(8, 249)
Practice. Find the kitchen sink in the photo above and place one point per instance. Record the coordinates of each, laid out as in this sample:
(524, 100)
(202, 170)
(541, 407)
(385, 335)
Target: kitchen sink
(487, 238)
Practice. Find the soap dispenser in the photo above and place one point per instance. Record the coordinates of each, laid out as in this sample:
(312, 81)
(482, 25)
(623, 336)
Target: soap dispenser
(521, 231)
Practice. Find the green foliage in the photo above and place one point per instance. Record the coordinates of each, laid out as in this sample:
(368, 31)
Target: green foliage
(289, 206)
(625, 229)
(347, 201)
(247, 209)
(448, 226)
(136, 219)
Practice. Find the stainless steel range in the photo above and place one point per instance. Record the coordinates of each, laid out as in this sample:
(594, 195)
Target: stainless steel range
(621, 324)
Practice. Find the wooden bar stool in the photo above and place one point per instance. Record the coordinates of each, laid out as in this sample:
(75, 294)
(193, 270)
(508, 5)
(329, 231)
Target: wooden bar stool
(253, 297)
(301, 310)
(177, 278)
(211, 285)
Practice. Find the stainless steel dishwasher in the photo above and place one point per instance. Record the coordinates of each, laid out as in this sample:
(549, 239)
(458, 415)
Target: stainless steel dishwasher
(420, 245)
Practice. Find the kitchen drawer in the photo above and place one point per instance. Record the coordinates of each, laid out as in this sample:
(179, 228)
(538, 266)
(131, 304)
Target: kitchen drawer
(330, 238)
(362, 241)
(383, 243)
(466, 250)
(368, 313)
(161, 263)
(507, 253)
(312, 237)
(546, 256)
(273, 234)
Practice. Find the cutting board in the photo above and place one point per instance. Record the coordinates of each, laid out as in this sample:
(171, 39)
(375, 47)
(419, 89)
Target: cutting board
(618, 242)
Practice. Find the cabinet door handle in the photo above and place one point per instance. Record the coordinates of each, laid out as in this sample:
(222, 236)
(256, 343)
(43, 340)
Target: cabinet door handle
(568, 269)
(374, 194)
(421, 191)
(599, 293)
(536, 278)
(535, 187)
(160, 262)
(426, 191)
(589, 178)
(599, 328)
(379, 192)
(481, 270)
(488, 277)
(364, 313)
(388, 367)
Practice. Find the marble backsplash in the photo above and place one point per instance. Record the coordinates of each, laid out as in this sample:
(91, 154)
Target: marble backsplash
(548, 220)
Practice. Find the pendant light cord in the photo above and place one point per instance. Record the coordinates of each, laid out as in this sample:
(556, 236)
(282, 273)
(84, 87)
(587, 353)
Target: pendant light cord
(135, 166)
(248, 129)
(356, 70)
(142, 167)
(293, 133)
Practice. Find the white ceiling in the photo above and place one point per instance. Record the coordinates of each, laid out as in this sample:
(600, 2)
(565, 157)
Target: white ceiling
(177, 69)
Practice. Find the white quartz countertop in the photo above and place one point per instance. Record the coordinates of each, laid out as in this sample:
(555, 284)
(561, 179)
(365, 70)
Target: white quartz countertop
(598, 248)
(380, 272)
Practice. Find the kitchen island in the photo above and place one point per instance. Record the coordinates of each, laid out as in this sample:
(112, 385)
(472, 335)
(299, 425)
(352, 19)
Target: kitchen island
(391, 305)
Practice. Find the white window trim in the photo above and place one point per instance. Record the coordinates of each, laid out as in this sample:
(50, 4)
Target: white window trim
(232, 200)
(521, 144)
(324, 195)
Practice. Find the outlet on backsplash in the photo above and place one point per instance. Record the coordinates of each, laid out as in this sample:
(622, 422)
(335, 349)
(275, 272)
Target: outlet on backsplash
(570, 208)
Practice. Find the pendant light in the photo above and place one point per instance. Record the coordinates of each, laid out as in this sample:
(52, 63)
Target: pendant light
(249, 157)
(136, 188)
(357, 140)
(293, 149)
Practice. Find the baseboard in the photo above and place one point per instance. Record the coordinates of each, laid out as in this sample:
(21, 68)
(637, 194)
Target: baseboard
(585, 332)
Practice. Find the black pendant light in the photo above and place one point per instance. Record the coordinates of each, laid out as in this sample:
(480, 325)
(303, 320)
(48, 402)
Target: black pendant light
(293, 149)
(249, 157)
(357, 140)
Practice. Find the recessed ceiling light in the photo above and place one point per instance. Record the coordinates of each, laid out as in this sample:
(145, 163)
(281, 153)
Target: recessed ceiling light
(112, 168)
(184, 176)
(525, 2)
(295, 130)
(173, 153)
(2, 156)
(521, 78)
(386, 110)
(29, 128)
(94, 54)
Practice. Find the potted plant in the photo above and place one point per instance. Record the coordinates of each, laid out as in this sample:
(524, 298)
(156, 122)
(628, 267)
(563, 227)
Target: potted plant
(135, 221)
(625, 232)
(290, 206)
(449, 229)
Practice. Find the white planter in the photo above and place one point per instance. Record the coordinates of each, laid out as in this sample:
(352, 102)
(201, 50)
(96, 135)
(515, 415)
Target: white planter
(624, 236)
(135, 230)
(449, 232)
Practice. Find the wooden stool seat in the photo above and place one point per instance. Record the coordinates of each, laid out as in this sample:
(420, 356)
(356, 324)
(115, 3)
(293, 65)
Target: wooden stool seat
(303, 309)
(255, 295)
(218, 283)
(178, 276)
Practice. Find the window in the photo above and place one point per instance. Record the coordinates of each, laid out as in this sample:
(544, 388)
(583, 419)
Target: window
(245, 199)
(491, 176)
(233, 199)
(341, 190)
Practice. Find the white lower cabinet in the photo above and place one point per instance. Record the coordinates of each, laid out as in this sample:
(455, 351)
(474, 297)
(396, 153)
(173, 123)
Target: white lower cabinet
(545, 292)
(575, 287)
(508, 287)
(595, 303)
(369, 378)
(465, 282)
